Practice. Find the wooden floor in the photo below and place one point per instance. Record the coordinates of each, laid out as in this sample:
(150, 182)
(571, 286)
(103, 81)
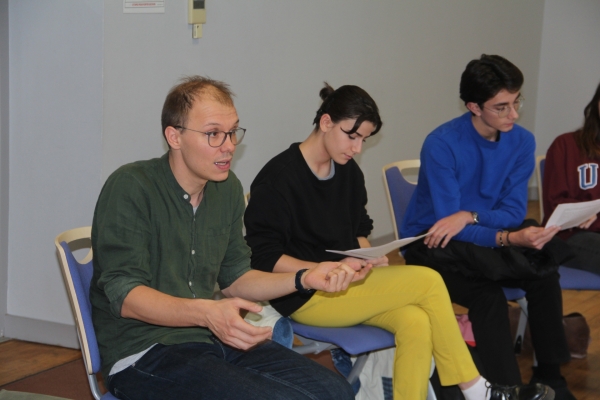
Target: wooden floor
(58, 371)
(20, 359)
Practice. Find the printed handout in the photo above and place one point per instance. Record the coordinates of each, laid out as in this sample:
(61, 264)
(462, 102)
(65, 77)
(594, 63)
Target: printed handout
(379, 251)
(573, 214)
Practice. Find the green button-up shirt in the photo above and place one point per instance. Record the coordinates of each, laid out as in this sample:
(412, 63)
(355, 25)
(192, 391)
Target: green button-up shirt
(145, 232)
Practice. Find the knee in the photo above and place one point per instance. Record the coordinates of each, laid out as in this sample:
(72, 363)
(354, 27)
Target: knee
(426, 274)
(490, 302)
(547, 284)
(412, 323)
(341, 389)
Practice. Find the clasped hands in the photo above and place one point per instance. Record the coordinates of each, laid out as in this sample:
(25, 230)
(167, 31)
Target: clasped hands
(224, 317)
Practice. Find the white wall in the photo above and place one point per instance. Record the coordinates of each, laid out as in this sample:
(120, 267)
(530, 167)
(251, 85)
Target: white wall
(55, 130)
(569, 67)
(88, 82)
(4, 78)
(276, 54)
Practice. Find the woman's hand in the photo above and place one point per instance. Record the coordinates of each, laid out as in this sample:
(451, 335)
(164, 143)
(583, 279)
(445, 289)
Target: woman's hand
(379, 261)
(332, 276)
(588, 223)
(357, 263)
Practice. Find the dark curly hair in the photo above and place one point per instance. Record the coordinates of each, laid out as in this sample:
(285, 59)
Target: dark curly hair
(482, 79)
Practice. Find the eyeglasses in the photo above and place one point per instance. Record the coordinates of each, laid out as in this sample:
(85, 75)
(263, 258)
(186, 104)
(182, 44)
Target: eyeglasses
(505, 110)
(217, 138)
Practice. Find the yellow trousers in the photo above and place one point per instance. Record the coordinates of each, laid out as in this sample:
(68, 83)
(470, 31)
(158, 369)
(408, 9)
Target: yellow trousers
(411, 302)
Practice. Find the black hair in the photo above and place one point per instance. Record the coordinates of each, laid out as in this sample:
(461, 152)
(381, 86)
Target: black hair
(482, 79)
(588, 136)
(348, 102)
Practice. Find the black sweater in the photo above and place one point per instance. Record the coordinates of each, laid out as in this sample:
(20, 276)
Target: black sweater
(292, 212)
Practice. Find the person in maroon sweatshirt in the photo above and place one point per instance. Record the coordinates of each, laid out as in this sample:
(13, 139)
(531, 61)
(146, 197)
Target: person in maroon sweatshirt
(571, 176)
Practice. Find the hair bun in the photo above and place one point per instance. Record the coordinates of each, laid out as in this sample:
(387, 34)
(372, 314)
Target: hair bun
(326, 91)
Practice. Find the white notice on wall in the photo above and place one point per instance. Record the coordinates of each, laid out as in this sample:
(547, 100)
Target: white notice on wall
(131, 6)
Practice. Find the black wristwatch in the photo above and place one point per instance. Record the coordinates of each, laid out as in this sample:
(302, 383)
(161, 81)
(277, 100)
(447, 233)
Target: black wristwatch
(299, 286)
(475, 217)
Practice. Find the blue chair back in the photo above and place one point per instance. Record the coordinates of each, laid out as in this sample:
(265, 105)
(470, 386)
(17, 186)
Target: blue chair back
(81, 274)
(399, 190)
(78, 276)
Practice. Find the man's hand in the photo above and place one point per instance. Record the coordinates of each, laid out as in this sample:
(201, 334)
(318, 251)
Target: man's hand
(223, 319)
(332, 276)
(446, 228)
(588, 223)
(534, 237)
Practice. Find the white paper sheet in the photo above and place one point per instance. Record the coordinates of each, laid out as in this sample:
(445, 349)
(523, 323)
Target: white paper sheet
(573, 214)
(379, 251)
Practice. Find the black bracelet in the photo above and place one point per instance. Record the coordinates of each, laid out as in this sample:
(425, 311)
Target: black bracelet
(298, 283)
(500, 239)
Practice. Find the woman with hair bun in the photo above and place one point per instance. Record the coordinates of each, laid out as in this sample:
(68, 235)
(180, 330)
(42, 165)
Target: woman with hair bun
(312, 197)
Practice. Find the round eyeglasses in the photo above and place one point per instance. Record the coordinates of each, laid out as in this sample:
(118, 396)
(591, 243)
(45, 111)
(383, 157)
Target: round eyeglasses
(503, 111)
(217, 138)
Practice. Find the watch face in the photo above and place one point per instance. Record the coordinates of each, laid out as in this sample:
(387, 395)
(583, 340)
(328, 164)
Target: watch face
(475, 217)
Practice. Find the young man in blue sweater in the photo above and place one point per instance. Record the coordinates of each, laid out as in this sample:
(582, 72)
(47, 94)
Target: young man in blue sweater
(472, 187)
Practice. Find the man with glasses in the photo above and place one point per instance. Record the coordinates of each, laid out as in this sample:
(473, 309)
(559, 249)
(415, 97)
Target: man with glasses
(472, 188)
(164, 232)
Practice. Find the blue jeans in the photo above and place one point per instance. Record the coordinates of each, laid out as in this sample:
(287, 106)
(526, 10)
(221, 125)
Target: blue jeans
(283, 333)
(216, 371)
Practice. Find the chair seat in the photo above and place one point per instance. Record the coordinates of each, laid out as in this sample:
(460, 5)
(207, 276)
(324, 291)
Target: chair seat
(354, 340)
(571, 278)
(513, 293)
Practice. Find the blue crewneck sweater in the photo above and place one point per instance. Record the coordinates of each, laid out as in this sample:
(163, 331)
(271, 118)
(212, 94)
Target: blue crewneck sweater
(460, 170)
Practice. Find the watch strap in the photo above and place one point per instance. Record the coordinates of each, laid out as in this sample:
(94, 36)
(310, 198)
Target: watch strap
(298, 283)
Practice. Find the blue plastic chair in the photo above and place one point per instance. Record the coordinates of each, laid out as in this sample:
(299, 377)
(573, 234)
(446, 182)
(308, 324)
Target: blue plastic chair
(356, 340)
(570, 278)
(399, 191)
(77, 276)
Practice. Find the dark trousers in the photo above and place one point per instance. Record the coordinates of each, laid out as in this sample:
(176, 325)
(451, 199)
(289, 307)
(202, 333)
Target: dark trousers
(488, 314)
(586, 246)
(216, 371)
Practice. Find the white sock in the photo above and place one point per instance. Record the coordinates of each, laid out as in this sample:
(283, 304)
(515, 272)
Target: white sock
(478, 391)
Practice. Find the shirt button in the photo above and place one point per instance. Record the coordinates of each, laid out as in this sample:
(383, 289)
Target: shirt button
(193, 252)
(190, 283)
(185, 196)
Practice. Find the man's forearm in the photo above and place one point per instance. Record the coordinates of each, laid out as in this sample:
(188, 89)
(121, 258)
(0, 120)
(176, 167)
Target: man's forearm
(291, 264)
(258, 286)
(149, 305)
